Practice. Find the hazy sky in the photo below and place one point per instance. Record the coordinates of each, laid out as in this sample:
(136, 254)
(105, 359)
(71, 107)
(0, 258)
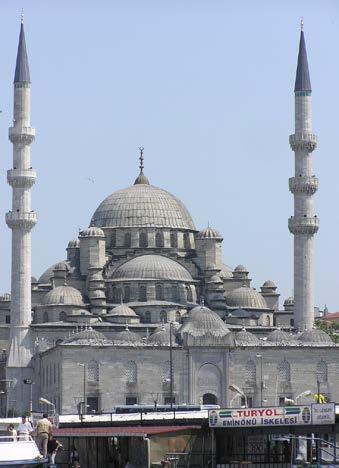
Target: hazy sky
(206, 86)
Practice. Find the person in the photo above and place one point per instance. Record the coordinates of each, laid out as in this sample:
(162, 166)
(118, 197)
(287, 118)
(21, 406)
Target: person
(43, 431)
(53, 446)
(74, 457)
(129, 464)
(25, 428)
(11, 431)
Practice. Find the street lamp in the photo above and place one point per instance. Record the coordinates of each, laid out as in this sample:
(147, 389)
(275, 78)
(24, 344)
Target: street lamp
(237, 390)
(259, 356)
(291, 401)
(30, 383)
(44, 401)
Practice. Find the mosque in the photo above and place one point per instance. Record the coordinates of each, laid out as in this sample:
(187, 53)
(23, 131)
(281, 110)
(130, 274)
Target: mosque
(144, 310)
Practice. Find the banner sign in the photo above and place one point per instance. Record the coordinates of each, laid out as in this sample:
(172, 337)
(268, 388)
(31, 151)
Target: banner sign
(272, 416)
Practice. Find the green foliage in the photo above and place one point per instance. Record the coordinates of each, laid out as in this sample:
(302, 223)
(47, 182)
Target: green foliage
(329, 328)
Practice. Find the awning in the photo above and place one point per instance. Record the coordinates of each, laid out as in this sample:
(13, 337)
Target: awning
(124, 431)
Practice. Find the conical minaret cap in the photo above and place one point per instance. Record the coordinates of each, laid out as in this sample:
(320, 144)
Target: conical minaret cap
(22, 69)
(302, 79)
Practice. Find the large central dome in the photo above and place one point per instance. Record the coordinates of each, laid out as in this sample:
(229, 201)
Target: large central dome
(142, 205)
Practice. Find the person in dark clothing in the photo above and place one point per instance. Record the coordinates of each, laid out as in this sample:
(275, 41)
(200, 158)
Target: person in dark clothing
(53, 446)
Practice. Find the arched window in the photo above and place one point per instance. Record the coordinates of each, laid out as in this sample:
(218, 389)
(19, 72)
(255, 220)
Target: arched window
(63, 316)
(174, 290)
(117, 294)
(127, 239)
(143, 239)
(177, 316)
(187, 244)
(163, 316)
(93, 371)
(166, 371)
(209, 399)
(131, 372)
(159, 292)
(189, 294)
(142, 293)
(113, 293)
(159, 239)
(284, 371)
(148, 317)
(114, 238)
(127, 293)
(174, 239)
(45, 317)
(250, 372)
(322, 372)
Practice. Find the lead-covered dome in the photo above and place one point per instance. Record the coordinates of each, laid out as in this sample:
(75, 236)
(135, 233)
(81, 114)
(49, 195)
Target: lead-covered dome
(152, 267)
(315, 336)
(245, 298)
(63, 295)
(201, 321)
(45, 278)
(142, 205)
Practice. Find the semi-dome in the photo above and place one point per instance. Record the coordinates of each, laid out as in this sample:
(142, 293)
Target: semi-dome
(123, 310)
(152, 267)
(63, 295)
(245, 298)
(209, 233)
(88, 337)
(45, 278)
(201, 321)
(92, 231)
(73, 244)
(279, 336)
(245, 338)
(142, 205)
(315, 336)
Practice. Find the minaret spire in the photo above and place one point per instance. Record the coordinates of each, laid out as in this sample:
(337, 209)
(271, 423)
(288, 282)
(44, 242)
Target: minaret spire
(21, 219)
(141, 179)
(304, 224)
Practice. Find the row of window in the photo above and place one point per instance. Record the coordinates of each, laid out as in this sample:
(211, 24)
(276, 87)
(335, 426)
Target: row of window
(284, 372)
(124, 294)
(159, 239)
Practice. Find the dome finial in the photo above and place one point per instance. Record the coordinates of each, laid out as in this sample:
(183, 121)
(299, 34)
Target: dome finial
(22, 16)
(302, 24)
(141, 179)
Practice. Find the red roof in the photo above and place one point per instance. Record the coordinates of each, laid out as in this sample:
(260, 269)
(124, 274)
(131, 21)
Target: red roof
(124, 431)
(333, 316)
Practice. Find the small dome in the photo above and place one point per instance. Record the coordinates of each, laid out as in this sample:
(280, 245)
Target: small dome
(245, 338)
(241, 269)
(279, 337)
(245, 298)
(45, 278)
(123, 310)
(127, 337)
(162, 336)
(63, 295)
(226, 271)
(61, 266)
(269, 284)
(152, 267)
(73, 244)
(315, 336)
(88, 337)
(92, 231)
(5, 297)
(209, 233)
(201, 321)
(289, 301)
(33, 280)
(215, 279)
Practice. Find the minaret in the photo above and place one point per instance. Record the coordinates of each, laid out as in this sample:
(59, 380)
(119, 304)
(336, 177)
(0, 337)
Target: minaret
(304, 224)
(21, 220)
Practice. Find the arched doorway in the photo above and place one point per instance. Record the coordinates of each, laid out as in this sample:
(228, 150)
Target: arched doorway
(209, 399)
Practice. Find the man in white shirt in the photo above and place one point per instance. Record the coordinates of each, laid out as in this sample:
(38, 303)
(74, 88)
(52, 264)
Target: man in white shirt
(24, 429)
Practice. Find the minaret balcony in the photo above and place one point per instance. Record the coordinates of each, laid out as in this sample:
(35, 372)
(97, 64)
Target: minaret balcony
(22, 135)
(21, 220)
(303, 142)
(303, 225)
(21, 178)
(303, 184)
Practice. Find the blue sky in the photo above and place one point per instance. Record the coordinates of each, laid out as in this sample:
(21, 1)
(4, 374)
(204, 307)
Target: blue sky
(207, 88)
